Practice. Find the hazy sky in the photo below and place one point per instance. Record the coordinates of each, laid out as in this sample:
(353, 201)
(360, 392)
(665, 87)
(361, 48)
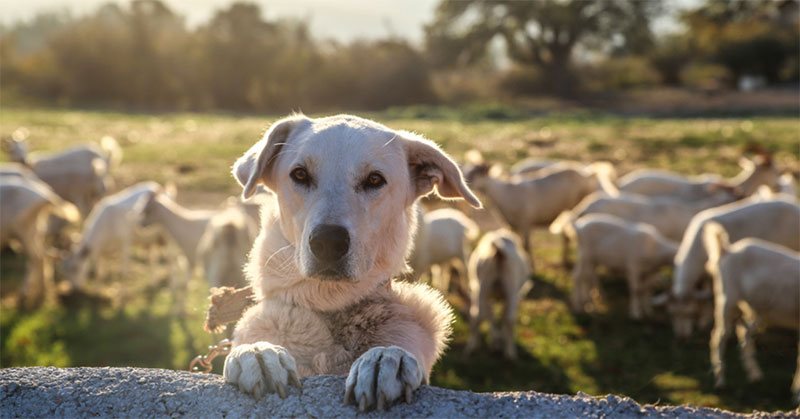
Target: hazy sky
(340, 19)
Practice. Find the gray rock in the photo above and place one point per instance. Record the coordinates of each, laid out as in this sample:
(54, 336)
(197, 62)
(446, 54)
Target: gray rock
(147, 393)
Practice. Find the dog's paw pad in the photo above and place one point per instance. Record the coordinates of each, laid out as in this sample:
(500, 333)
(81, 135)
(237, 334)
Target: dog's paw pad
(382, 376)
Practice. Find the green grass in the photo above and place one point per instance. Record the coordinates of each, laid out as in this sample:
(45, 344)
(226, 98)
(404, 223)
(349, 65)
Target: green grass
(601, 353)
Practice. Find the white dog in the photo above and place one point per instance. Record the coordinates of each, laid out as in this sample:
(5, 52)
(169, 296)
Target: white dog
(346, 189)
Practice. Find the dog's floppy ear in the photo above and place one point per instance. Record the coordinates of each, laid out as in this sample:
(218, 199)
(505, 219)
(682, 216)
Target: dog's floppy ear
(429, 168)
(256, 163)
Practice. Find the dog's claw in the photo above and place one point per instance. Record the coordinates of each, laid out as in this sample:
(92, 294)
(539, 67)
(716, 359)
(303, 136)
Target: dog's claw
(409, 393)
(362, 404)
(294, 380)
(348, 395)
(281, 390)
(381, 401)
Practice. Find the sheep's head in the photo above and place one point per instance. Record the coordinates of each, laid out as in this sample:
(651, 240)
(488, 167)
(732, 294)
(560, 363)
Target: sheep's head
(16, 149)
(685, 313)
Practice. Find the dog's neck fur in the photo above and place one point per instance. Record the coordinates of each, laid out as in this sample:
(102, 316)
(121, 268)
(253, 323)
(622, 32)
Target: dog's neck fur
(273, 273)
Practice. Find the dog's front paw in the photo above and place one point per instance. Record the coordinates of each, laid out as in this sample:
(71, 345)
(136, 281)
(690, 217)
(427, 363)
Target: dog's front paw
(260, 368)
(381, 376)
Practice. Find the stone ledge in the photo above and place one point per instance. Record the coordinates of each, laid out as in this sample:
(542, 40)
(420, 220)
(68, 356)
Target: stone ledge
(141, 392)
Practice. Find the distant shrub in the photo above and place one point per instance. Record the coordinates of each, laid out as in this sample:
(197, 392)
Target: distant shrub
(705, 76)
(620, 74)
(523, 81)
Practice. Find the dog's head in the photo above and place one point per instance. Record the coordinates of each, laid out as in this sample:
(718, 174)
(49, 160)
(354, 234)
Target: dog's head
(346, 187)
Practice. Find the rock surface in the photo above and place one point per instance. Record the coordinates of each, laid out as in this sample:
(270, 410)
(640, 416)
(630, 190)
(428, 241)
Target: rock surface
(137, 392)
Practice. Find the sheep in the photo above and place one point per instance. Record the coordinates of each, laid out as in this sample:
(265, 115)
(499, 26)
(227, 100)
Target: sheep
(110, 226)
(531, 166)
(25, 206)
(498, 269)
(223, 247)
(755, 172)
(670, 217)
(754, 281)
(443, 239)
(636, 249)
(527, 203)
(79, 174)
(186, 227)
(776, 221)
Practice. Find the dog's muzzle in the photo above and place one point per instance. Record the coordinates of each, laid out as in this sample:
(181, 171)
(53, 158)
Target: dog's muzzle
(330, 244)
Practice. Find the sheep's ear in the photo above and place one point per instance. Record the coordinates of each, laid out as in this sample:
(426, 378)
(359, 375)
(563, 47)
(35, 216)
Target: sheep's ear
(254, 166)
(430, 168)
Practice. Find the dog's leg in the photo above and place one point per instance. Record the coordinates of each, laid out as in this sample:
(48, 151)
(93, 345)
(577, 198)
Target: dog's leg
(260, 368)
(381, 376)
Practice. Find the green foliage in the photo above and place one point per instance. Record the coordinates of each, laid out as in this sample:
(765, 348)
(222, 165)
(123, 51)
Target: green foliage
(144, 56)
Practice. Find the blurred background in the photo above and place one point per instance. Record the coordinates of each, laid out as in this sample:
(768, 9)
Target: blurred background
(174, 91)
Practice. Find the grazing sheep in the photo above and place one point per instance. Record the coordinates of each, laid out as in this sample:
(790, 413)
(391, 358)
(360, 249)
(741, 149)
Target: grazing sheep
(186, 227)
(754, 282)
(110, 226)
(224, 245)
(527, 203)
(755, 172)
(79, 174)
(498, 269)
(25, 206)
(528, 167)
(670, 217)
(443, 239)
(776, 221)
(638, 250)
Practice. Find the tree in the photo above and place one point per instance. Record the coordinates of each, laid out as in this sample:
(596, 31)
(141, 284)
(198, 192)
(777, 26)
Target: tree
(542, 33)
(746, 36)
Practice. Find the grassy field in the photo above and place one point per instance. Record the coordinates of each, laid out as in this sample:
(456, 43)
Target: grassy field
(560, 352)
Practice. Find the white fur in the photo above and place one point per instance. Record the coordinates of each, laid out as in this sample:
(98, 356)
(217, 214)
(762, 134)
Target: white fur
(297, 303)
(110, 226)
(443, 239)
(25, 205)
(498, 269)
(756, 172)
(748, 218)
(670, 217)
(755, 283)
(80, 174)
(635, 249)
(526, 203)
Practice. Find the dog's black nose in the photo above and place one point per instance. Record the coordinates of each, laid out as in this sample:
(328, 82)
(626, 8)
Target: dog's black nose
(329, 242)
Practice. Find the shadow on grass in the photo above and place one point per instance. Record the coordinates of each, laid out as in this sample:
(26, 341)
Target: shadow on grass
(645, 361)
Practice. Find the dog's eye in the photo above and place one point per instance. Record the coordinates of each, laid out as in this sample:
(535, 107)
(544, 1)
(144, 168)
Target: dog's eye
(300, 176)
(374, 181)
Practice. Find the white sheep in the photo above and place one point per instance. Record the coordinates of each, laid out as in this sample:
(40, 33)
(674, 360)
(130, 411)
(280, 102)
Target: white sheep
(443, 238)
(755, 172)
(776, 221)
(110, 227)
(636, 250)
(25, 206)
(531, 166)
(224, 245)
(669, 216)
(80, 174)
(755, 281)
(526, 203)
(186, 227)
(498, 269)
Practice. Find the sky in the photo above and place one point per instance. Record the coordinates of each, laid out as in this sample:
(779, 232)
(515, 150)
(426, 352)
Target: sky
(343, 20)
